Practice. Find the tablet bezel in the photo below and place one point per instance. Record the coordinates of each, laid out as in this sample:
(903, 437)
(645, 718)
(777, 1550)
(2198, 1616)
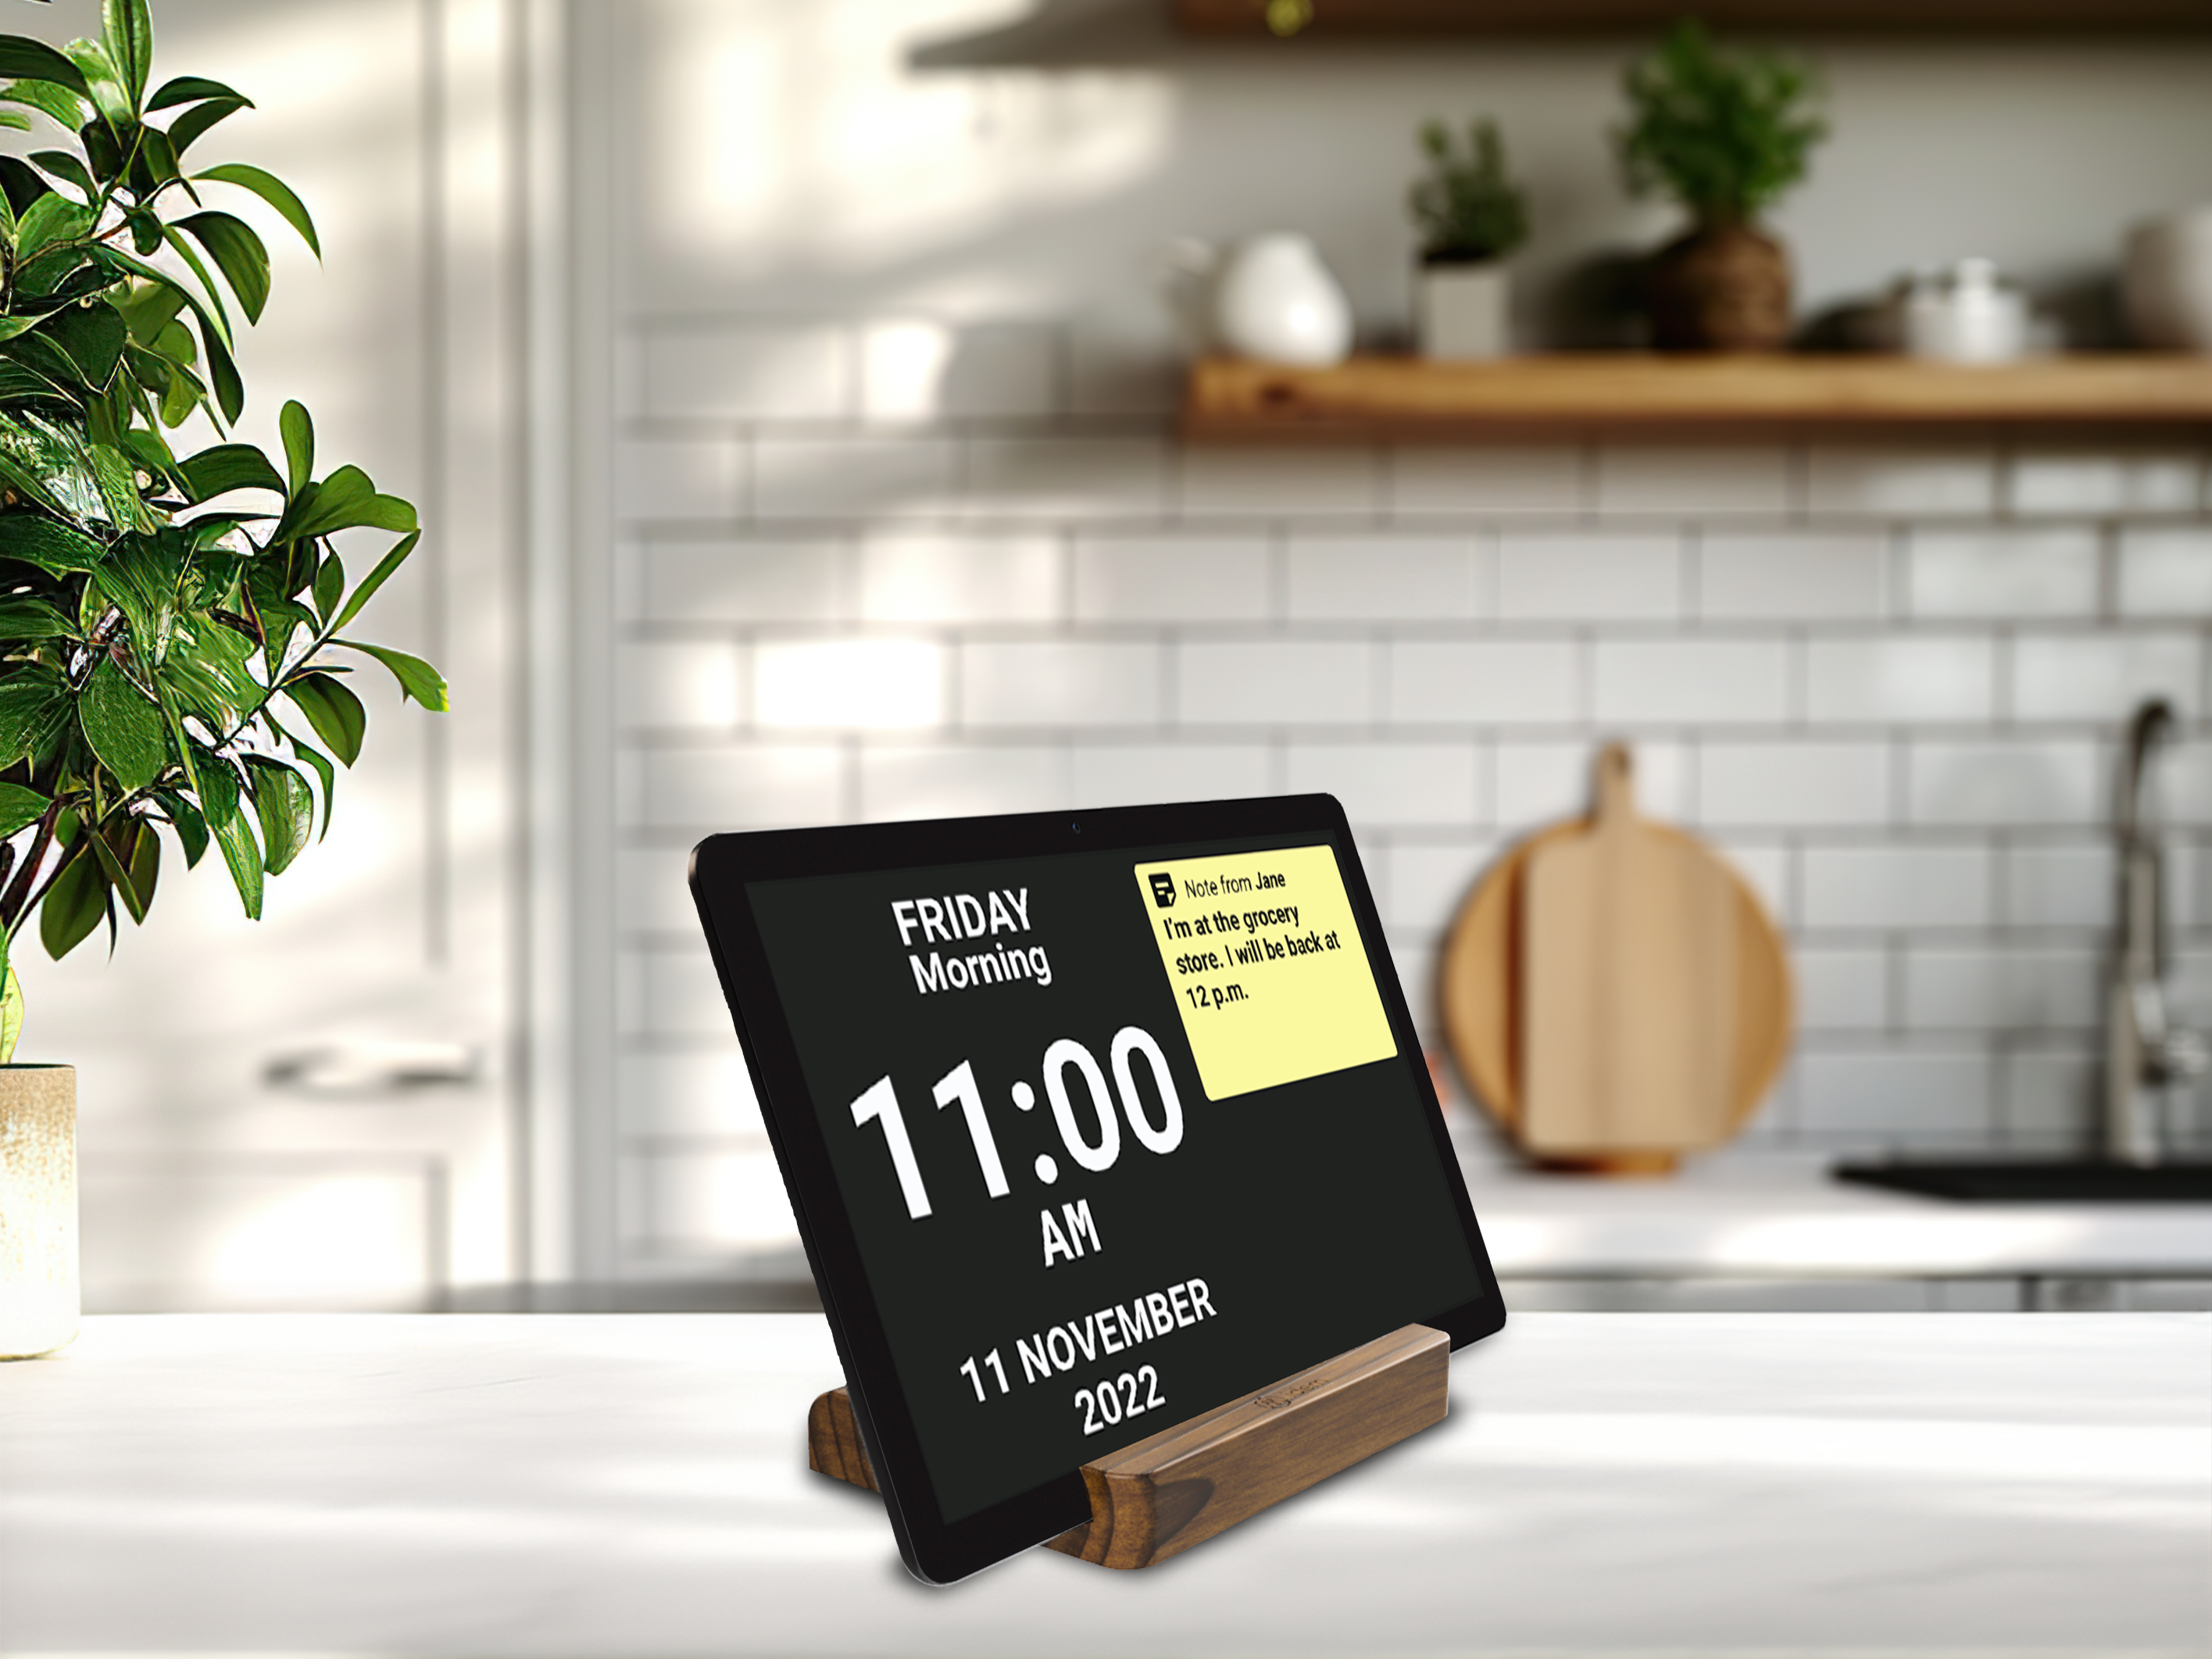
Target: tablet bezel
(935, 1550)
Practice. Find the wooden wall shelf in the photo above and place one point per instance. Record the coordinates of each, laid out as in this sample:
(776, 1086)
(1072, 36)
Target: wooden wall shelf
(1323, 19)
(1370, 398)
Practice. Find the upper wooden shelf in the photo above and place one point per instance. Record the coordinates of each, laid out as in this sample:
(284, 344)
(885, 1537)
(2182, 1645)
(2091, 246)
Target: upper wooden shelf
(1371, 397)
(1326, 18)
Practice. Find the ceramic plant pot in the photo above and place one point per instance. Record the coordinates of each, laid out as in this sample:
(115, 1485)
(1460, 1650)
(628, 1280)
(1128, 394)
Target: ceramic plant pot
(38, 1304)
(1724, 286)
(1463, 309)
(2168, 281)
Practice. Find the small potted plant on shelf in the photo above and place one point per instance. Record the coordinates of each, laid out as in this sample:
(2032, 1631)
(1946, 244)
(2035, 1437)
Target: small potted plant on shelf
(172, 609)
(1470, 216)
(1725, 133)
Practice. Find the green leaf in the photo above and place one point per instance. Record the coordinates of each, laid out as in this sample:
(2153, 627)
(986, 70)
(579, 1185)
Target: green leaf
(24, 617)
(239, 850)
(119, 877)
(190, 89)
(128, 33)
(330, 587)
(272, 190)
(189, 824)
(50, 466)
(55, 548)
(286, 808)
(299, 429)
(124, 727)
(150, 310)
(104, 83)
(320, 762)
(17, 121)
(238, 252)
(20, 808)
(25, 59)
(11, 1006)
(331, 707)
(118, 481)
(53, 218)
(376, 579)
(65, 106)
(91, 337)
(35, 708)
(76, 904)
(145, 873)
(187, 128)
(417, 679)
(229, 390)
(66, 167)
(226, 467)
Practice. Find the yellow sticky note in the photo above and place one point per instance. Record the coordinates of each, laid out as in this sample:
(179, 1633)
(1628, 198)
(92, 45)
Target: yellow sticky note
(1267, 966)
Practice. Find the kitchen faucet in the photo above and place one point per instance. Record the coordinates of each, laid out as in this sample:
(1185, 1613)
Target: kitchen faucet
(2142, 1051)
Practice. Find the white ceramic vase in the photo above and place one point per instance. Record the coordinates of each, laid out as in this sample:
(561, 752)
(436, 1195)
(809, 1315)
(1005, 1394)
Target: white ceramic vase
(1274, 300)
(39, 1299)
(1463, 310)
(1965, 314)
(2166, 279)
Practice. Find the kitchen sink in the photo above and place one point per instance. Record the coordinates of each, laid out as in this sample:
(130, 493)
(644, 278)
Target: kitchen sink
(2087, 1181)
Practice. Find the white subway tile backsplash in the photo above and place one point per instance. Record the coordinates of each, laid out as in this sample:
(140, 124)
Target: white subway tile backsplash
(2181, 782)
(861, 683)
(680, 478)
(2000, 784)
(1067, 478)
(1174, 578)
(1896, 886)
(1137, 775)
(1825, 785)
(1540, 783)
(1484, 681)
(1791, 575)
(2051, 1100)
(1687, 481)
(1681, 681)
(2059, 886)
(1841, 989)
(741, 581)
(2001, 571)
(1767, 867)
(852, 477)
(1276, 682)
(2051, 482)
(1897, 679)
(1274, 482)
(946, 781)
(1388, 784)
(1335, 578)
(1589, 575)
(784, 369)
(1486, 479)
(2103, 677)
(705, 1203)
(1427, 884)
(680, 683)
(2165, 570)
(2012, 988)
(1942, 1099)
(1062, 683)
(917, 369)
(732, 787)
(1927, 479)
(920, 576)
(681, 995)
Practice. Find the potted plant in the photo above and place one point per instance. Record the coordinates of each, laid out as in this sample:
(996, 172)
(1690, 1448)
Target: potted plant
(1724, 133)
(1470, 216)
(172, 609)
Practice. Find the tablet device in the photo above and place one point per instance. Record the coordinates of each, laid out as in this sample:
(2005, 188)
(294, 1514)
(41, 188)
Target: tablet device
(1091, 1122)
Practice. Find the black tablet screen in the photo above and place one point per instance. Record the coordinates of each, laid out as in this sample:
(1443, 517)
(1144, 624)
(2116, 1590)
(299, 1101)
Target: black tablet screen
(1122, 1135)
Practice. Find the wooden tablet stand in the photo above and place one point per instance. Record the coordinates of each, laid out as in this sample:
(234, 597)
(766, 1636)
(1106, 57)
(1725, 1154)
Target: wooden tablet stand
(1179, 1487)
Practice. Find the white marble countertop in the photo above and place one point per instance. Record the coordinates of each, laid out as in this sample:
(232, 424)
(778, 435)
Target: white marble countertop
(1606, 1484)
(1780, 1217)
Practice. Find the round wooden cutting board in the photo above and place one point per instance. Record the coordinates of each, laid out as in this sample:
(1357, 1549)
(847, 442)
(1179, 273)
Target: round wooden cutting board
(1483, 986)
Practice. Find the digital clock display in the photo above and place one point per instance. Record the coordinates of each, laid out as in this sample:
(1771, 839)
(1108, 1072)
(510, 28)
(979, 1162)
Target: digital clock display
(1119, 1135)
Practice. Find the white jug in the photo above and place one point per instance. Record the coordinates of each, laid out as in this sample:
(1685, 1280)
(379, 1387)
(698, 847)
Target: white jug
(1272, 300)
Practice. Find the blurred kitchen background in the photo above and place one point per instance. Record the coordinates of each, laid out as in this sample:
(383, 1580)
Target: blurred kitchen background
(791, 393)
